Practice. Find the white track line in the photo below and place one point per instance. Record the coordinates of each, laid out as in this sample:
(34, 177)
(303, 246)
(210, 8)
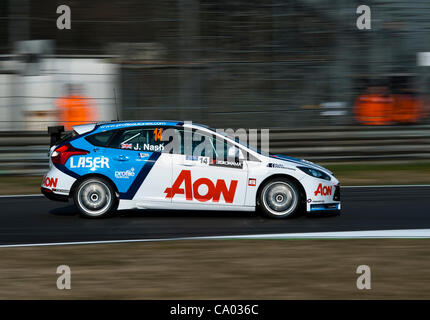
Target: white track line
(363, 234)
(21, 195)
(372, 234)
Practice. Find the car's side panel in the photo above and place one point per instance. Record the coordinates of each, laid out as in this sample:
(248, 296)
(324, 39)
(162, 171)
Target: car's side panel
(158, 170)
(261, 171)
(200, 180)
(126, 204)
(194, 206)
(257, 172)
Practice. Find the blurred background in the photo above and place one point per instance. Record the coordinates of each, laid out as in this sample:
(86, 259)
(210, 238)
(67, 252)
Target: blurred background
(327, 90)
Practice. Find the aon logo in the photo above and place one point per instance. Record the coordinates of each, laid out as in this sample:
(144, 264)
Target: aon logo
(191, 190)
(323, 190)
(50, 182)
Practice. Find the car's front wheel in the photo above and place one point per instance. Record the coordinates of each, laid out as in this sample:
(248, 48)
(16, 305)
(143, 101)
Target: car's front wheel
(95, 197)
(279, 198)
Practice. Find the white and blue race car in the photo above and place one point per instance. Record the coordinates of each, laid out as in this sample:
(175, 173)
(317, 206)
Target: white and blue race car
(113, 166)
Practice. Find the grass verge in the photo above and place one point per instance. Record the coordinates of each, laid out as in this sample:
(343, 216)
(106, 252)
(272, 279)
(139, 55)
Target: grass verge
(20, 185)
(381, 173)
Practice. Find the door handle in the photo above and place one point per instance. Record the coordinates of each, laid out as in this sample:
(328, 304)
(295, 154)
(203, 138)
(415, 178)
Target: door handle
(121, 158)
(188, 164)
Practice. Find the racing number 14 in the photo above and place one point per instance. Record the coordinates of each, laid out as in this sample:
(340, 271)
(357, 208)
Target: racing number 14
(158, 134)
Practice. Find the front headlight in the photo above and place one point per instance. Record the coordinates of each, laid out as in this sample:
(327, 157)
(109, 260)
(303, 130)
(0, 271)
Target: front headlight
(315, 173)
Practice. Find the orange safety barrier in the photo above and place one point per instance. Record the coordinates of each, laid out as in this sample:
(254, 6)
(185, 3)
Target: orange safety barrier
(374, 109)
(408, 108)
(377, 109)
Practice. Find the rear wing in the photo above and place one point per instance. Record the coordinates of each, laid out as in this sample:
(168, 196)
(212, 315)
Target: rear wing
(55, 134)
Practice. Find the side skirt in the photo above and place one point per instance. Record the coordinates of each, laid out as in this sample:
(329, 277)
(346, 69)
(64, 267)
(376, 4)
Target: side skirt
(131, 204)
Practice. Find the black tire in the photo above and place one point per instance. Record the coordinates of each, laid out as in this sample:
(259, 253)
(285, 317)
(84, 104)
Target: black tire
(280, 198)
(95, 198)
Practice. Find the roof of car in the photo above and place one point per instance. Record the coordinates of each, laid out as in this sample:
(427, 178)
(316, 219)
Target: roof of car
(118, 124)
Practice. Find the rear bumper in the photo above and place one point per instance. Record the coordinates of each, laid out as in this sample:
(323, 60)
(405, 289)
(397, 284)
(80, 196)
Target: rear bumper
(52, 196)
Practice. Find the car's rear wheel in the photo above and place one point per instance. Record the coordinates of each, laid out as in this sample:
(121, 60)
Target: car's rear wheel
(279, 198)
(95, 198)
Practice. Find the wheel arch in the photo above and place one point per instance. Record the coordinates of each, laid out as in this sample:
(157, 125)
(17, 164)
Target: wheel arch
(280, 175)
(97, 175)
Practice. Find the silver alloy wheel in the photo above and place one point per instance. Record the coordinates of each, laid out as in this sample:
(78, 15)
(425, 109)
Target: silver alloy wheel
(280, 198)
(94, 197)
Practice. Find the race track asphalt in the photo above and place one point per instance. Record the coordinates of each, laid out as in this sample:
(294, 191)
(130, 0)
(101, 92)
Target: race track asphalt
(38, 220)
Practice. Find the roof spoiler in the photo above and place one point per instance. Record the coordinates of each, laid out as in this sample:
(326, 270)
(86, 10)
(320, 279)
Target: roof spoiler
(55, 134)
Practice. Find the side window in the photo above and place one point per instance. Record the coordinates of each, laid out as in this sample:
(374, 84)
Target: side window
(171, 139)
(127, 139)
(203, 144)
(142, 139)
(217, 148)
(152, 139)
(100, 139)
(197, 144)
(226, 150)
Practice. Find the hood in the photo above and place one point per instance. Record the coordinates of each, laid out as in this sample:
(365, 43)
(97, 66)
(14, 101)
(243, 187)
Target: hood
(298, 161)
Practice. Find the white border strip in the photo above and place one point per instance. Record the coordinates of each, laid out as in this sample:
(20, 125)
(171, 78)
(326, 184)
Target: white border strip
(364, 234)
(371, 234)
(21, 195)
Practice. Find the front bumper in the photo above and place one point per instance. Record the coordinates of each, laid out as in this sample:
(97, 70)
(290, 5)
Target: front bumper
(325, 208)
(325, 203)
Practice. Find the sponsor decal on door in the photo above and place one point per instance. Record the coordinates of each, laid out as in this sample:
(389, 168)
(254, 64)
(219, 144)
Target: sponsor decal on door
(191, 189)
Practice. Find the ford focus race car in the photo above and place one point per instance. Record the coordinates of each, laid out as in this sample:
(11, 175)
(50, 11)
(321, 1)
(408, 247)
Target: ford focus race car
(113, 166)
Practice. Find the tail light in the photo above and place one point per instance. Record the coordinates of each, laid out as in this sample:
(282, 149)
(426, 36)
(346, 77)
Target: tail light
(63, 153)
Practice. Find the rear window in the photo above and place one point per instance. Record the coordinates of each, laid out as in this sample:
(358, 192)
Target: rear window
(100, 139)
